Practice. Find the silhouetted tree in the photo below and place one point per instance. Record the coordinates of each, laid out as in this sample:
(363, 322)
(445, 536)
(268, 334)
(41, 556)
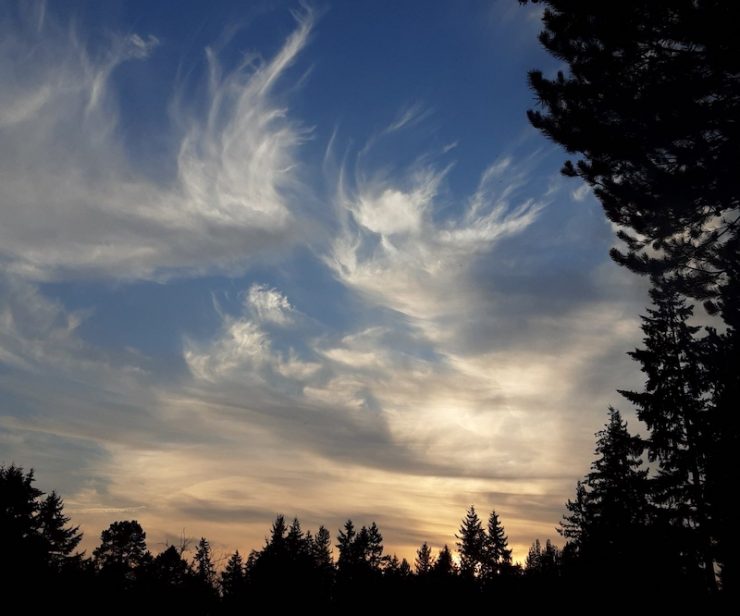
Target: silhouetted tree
(203, 566)
(170, 569)
(650, 102)
(321, 549)
(345, 545)
(24, 551)
(471, 544)
(234, 579)
(609, 520)
(122, 548)
(60, 539)
(424, 560)
(543, 562)
(674, 407)
(496, 552)
(374, 547)
(18, 506)
(444, 566)
(296, 544)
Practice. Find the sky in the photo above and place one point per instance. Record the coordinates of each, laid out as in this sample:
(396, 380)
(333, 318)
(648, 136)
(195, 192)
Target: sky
(310, 259)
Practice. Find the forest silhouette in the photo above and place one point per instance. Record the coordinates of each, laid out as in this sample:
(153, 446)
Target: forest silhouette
(649, 106)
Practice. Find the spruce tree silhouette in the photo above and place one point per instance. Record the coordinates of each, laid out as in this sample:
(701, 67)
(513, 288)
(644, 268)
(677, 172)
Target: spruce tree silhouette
(205, 580)
(496, 552)
(471, 544)
(61, 540)
(203, 566)
(543, 564)
(424, 560)
(675, 408)
(444, 566)
(234, 581)
(609, 521)
(23, 562)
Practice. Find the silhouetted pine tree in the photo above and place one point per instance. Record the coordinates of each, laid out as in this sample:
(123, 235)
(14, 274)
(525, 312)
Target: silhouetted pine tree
(345, 545)
(61, 539)
(234, 579)
(471, 544)
(296, 544)
(203, 566)
(650, 102)
(496, 552)
(543, 562)
(424, 560)
(608, 522)
(674, 407)
(374, 547)
(23, 561)
(444, 566)
(321, 548)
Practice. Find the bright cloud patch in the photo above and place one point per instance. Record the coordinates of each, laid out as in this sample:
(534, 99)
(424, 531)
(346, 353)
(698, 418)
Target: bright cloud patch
(269, 304)
(393, 251)
(71, 202)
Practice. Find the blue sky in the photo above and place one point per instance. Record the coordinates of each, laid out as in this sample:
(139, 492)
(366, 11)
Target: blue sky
(301, 258)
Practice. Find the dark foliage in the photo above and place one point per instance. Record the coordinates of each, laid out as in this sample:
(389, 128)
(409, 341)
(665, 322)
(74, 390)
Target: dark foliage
(650, 103)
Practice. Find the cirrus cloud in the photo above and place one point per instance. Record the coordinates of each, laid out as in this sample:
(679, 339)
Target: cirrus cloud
(73, 204)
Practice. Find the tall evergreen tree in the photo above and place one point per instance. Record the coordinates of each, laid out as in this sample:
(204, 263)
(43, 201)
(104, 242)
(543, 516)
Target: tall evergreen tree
(444, 566)
(374, 548)
(60, 539)
(321, 549)
(19, 504)
(471, 544)
(650, 102)
(203, 566)
(296, 543)
(674, 407)
(543, 562)
(424, 560)
(496, 552)
(234, 578)
(608, 522)
(23, 550)
(345, 545)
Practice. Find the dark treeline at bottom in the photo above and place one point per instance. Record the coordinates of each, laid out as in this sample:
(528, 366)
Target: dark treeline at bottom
(43, 569)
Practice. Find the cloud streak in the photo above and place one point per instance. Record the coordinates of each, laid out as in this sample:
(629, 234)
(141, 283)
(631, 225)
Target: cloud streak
(73, 204)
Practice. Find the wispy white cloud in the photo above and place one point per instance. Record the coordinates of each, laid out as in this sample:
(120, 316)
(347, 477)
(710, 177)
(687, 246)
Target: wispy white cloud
(394, 250)
(72, 202)
(269, 304)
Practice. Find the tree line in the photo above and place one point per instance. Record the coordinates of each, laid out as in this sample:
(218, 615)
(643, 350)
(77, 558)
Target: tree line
(295, 567)
(611, 521)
